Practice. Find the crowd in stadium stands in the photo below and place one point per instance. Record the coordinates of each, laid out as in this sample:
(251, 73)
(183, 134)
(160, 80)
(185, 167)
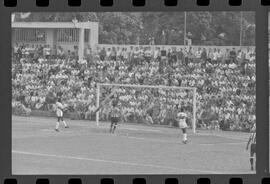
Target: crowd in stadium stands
(225, 82)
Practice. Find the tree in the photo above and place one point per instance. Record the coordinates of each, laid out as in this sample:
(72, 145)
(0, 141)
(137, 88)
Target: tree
(207, 28)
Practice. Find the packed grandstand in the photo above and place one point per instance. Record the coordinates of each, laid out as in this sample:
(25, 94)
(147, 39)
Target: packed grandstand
(225, 81)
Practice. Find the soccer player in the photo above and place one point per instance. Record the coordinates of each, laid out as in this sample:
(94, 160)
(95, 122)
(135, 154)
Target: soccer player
(181, 117)
(115, 111)
(149, 114)
(252, 142)
(59, 113)
(114, 115)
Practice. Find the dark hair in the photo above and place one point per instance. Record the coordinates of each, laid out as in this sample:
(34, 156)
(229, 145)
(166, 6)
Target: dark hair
(59, 100)
(114, 102)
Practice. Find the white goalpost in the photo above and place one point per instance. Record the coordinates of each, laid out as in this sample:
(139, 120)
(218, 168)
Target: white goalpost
(191, 89)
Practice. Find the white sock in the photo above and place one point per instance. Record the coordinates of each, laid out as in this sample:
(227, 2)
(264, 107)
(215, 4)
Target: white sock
(64, 123)
(184, 137)
(57, 125)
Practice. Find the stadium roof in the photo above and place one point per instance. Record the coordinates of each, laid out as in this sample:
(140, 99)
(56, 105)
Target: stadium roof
(86, 25)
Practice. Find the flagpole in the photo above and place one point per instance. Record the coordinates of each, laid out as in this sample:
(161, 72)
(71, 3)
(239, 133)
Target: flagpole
(241, 27)
(185, 26)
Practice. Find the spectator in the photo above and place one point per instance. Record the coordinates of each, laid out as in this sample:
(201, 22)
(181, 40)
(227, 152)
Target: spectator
(229, 87)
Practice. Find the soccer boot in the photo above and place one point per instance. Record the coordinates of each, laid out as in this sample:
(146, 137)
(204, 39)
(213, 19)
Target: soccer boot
(185, 142)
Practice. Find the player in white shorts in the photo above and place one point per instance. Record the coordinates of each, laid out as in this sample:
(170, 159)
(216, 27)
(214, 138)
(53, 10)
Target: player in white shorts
(181, 117)
(60, 115)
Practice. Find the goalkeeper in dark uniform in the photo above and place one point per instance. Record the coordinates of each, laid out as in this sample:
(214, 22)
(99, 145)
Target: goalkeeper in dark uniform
(115, 115)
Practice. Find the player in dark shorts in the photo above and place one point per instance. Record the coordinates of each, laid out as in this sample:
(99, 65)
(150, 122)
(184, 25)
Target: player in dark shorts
(115, 115)
(252, 142)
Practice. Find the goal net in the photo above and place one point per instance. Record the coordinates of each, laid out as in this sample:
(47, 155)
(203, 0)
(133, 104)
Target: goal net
(149, 104)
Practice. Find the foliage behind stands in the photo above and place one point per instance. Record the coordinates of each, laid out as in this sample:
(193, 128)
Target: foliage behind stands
(162, 28)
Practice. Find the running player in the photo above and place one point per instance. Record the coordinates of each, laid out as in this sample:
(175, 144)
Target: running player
(60, 115)
(181, 117)
(114, 115)
(252, 142)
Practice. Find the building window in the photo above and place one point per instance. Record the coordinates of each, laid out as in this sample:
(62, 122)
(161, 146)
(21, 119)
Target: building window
(86, 35)
(29, 35)
(67, 35)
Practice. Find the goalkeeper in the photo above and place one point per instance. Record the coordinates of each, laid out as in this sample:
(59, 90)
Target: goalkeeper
(115, 115)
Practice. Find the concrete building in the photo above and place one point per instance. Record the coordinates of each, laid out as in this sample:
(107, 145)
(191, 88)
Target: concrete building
(73, 36)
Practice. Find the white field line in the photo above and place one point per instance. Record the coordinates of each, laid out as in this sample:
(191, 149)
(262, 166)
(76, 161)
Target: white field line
(115, 162)
(136, 129)
(223, 136)
(203, 144)
(226, 143)
(128, 128)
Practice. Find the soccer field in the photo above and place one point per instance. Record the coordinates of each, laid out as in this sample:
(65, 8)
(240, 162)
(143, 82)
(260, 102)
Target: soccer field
(85, 148)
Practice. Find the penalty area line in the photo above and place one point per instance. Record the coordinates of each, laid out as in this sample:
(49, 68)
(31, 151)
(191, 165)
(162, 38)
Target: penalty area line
(113, 162)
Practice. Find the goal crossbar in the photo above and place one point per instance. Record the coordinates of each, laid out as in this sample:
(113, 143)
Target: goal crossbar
(99, 85)
(145, 86)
